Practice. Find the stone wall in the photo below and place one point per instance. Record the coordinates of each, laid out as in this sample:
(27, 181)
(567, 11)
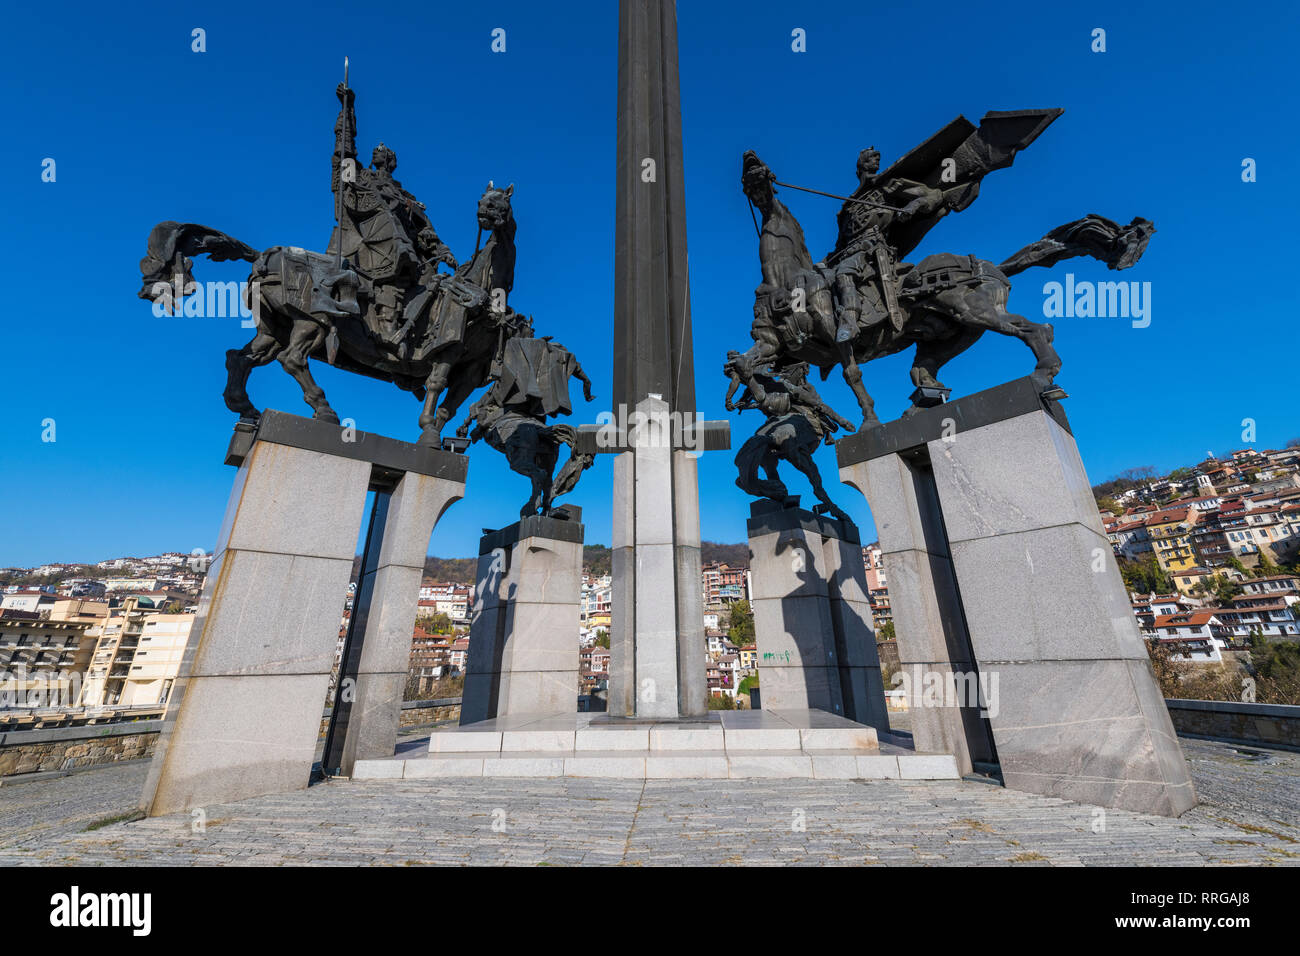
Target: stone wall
(416, 713)
(436, 713)
(1265, 725)
(66, 748)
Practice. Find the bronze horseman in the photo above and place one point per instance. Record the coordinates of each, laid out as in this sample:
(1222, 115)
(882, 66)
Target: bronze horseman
(375, 303)
(863, 301)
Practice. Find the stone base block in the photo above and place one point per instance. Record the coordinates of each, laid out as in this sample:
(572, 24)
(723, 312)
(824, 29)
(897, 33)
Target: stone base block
(812, 618)
(523, 656)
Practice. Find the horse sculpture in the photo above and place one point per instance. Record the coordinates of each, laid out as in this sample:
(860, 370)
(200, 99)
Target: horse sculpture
(861, 302)
(531, 386)
(375, 303)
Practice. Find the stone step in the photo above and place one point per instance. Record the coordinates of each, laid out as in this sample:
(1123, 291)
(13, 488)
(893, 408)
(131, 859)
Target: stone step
(829, 764)
(670, 739)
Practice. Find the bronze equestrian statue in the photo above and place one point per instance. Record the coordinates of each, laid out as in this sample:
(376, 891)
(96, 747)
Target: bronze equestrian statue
(862, 301)
(375, 302)
(531, 386)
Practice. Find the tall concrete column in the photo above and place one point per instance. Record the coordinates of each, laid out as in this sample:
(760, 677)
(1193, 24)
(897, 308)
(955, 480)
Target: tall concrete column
(929, 626)
(657, 652)
(812, 618)
(245, 712)
(1077, 711)
(861, 687)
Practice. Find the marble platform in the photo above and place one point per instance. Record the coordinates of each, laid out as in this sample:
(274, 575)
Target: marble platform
(793, 744)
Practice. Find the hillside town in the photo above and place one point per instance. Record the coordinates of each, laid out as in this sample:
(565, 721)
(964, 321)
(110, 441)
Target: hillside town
(1208, 553)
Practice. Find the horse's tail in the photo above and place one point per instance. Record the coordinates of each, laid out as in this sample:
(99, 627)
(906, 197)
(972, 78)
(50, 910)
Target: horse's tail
(167, 264)
(1096, 236)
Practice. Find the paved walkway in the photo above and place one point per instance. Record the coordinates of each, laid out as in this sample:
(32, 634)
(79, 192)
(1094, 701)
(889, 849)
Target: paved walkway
(1250, 814)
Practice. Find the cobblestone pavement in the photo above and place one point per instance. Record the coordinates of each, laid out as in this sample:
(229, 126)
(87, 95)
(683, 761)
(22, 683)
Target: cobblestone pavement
(1250, 814)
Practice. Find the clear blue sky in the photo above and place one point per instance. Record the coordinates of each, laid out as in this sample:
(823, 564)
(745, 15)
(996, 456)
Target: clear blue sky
(239, 138)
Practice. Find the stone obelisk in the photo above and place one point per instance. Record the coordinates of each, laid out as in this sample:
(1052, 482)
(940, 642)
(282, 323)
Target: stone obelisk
(657, 640)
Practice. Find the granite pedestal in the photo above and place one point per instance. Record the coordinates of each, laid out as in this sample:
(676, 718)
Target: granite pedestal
(1001, 573)
(523, 647)
(816, 647)
(244, 715)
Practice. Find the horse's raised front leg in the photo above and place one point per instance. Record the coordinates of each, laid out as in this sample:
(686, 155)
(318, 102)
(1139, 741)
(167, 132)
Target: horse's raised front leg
(305, 337)
(239, 363)
(1039, 336)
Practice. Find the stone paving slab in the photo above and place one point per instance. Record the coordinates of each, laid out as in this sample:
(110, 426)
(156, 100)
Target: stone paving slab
(1250, 815)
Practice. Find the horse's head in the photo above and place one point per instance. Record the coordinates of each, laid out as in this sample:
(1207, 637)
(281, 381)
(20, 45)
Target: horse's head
(756, 179)
(494, 207)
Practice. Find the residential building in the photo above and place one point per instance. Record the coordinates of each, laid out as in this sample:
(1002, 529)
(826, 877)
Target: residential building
(723, 584)
(430, 654)
(137, 656)
(1129, 537)
(1285, 586)
(1268, 616)
(716, 641)
(458, 655)
(1198, 635)
(1171, 540)
(877, 585)
(130, 584)
(43, 661)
